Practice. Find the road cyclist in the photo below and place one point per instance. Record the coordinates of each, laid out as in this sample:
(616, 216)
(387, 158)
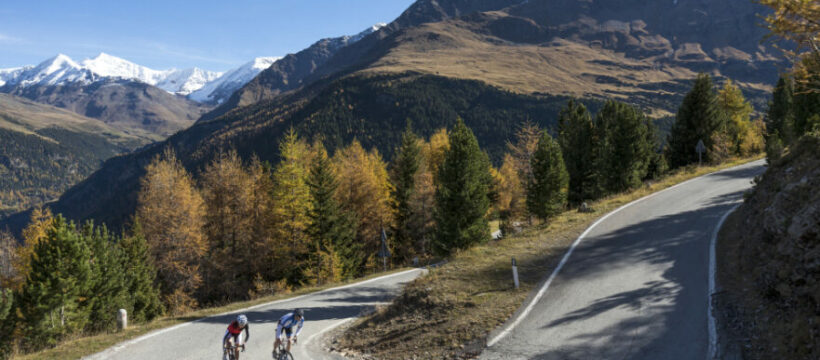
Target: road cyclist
(232, 340)
(285, 335)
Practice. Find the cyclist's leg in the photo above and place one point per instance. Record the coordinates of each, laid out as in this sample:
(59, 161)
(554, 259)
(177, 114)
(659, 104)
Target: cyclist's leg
(289, 332)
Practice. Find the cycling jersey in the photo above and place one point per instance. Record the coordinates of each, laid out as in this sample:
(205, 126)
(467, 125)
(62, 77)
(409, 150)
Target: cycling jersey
(287, 322)
(235, 331)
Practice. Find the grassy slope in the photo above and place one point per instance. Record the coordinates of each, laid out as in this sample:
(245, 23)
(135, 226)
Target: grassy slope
(460, 49)
(472, 294)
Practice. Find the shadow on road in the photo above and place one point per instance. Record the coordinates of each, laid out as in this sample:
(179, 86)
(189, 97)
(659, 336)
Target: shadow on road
(679, 242)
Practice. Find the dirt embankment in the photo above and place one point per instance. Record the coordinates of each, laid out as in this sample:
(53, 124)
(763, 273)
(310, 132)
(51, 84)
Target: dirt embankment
(769, 263)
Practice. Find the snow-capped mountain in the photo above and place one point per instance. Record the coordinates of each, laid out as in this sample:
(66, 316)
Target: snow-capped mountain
(221, 88)
(368, 31)
(11, 73)
(62, 70)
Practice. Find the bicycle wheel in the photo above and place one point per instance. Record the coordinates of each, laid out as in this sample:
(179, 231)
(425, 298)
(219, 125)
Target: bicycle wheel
(285, 355)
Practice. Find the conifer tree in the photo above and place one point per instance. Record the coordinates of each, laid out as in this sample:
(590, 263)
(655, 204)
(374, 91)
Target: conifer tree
(462, 194)
(108, 286)
(140, 275)
(405, 168)
(699, 118)
(623, 152)
(576, 136)
(780, 117)
(172, 213)
(52, 303)
(291, 200)
(335, 255)
(548, 188)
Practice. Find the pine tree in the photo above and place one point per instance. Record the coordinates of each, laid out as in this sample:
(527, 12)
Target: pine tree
(172, 213)
(140, 275)
(405, 168)
(780, 117)
(462, 194)
(335, 255)
(108, 287)
(623, 152)
(291, 205)
(512, 194)
(699, 118)
(51, 300)
(576, 136)
(548, 188)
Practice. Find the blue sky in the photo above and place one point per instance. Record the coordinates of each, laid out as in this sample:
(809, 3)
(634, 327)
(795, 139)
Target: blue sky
(214, 35)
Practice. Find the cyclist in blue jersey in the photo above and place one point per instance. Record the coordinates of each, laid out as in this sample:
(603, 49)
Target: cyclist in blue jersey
(286, 323)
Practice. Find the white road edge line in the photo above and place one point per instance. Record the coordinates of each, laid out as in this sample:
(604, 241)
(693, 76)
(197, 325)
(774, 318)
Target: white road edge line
(712, 272)
(118, 347)
(564, 260)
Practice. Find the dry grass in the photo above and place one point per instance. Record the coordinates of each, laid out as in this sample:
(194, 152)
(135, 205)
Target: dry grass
(449, 312)
(88, 345)
(562, 67)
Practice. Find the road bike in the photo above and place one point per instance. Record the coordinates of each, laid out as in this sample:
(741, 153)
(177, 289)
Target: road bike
(282, 352)
(231, 352)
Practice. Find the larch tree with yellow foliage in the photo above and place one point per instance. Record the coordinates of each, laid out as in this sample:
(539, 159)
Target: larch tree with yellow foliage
(364, 189)
(291, 204)
(227, 191)
(745, 136)
(37, 229)
(172, 214)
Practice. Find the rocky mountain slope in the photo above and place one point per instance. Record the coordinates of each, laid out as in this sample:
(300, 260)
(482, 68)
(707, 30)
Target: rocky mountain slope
(769, 262)
(44, 150)
(644, 53)
(287, 73)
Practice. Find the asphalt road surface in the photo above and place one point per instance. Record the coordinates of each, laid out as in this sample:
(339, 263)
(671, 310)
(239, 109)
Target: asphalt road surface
(324, 310)
(636, 286)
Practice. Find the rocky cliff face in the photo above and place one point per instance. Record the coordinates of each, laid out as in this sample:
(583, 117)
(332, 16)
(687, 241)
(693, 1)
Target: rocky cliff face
(769, 262)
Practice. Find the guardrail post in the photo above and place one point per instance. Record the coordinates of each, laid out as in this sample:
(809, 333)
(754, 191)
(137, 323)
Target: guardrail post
(515, 273)
(122, 319)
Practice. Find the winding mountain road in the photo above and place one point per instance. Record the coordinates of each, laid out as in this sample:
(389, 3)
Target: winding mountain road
(324, 310)
(636, 286)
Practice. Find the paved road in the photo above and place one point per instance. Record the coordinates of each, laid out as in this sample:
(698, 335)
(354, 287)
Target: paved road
(636, 287)
(323, 311)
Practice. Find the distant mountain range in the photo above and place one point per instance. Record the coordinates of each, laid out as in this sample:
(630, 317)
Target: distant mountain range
(201, 85)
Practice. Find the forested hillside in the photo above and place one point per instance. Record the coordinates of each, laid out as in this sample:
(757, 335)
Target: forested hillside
(45, 150)
(371, 109)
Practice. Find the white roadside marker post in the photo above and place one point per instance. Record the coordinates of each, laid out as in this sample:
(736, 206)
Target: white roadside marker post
(515, 273)
(122, 319)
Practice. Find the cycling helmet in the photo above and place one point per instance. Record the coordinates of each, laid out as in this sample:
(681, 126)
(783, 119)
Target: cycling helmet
(299, 312)
(242, 320)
